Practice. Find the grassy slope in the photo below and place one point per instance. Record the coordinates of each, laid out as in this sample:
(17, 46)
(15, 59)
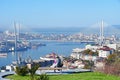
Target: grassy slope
(79, 76)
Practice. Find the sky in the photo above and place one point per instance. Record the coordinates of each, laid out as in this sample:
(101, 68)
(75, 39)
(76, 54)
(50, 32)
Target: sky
(58, 13)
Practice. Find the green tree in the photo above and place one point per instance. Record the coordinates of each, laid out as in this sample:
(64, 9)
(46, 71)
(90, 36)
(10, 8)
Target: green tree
(22, 71)
(86, 52)
(91, 52)
(111, 58)
(33, 70)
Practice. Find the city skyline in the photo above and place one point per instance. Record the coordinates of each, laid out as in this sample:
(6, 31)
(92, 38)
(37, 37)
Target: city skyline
(58, 13)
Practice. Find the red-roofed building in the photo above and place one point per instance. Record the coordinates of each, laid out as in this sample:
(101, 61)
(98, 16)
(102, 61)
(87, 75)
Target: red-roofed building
(105, 51)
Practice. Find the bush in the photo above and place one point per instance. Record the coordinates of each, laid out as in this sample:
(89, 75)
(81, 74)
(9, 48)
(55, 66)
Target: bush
(88, 64)
(113, 69)
(22, 71)
(112, 64)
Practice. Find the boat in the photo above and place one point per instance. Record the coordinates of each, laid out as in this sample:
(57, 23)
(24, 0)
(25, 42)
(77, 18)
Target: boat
(37, 44)
(49, 57)
(46, 59)
(3, 54)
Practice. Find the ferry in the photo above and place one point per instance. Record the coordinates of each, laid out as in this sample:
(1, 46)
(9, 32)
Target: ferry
(46, 59)
(49, 57)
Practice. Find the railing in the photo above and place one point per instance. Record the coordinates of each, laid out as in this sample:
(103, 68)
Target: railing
(50, 68)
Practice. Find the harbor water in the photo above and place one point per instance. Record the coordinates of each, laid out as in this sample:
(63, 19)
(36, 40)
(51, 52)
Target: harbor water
(60, 48)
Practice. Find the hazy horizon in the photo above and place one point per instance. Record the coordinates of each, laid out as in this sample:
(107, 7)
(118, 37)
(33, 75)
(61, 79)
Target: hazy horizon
(113, 29)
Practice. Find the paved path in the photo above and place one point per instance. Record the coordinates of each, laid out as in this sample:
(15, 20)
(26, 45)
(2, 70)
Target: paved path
(64, 71)
(4, 74)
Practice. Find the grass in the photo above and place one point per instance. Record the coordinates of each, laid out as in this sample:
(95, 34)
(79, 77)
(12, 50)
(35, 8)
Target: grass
(78, 76)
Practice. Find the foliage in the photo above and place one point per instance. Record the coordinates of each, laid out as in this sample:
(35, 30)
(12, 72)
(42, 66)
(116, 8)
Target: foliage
(90, 52)
(86, 52)
(33, 70)
(112, 65)
(88, 64)
(43, 77)
(113, 69)
(22, 71)
(111, 58)
(78, 76)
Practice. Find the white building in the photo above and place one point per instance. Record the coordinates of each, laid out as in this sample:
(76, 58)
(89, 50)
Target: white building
(114, 46)
(9, 68)
(105, 52)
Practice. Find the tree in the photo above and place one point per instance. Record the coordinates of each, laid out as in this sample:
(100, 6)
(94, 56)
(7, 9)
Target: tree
(112, 65)
(33, 70)
(95, 53)
(111, 58)
(86, 52)
(22, 71)
(90, 52)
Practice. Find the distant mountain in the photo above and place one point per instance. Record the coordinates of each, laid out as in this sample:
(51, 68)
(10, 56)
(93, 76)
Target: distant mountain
(116, 26)
(108, 29)
(1, 32)
(114, 29)
(56, 29)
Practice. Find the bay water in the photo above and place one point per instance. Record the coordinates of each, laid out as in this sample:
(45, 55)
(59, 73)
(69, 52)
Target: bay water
(60, 48)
